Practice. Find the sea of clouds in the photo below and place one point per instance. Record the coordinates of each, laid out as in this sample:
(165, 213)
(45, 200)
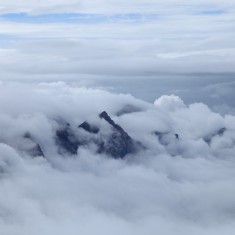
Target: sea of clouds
(179, 54)
(181, 185)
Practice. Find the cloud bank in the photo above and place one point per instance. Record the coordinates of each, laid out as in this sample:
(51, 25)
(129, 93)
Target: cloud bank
(74, 39)
(180, 182)
(177, 47)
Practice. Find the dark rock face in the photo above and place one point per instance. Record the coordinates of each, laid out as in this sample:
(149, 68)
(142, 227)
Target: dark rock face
(177, 136)
(119, 143)
(35, 149)
(87, 127)
(108, 119)
(209, 138)
(221, 131)
(165, 138)
(66, 140)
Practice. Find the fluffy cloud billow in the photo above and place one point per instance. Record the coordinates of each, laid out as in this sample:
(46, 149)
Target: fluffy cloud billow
(75, 160)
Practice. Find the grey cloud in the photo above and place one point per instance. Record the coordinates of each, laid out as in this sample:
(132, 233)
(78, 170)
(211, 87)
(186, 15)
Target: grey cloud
(178, 42)
(183, 184)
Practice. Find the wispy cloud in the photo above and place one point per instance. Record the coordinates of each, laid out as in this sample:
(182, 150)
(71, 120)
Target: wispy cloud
(76, 18)
(212, 12)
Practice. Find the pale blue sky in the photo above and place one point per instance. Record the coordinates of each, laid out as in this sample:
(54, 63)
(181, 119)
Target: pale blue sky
(93, 18)
(76, 18)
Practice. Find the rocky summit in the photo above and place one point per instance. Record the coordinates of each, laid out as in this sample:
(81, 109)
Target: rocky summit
(116, 144)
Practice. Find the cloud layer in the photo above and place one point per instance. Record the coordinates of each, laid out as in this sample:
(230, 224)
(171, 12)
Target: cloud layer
(182, 185)
(84, 38)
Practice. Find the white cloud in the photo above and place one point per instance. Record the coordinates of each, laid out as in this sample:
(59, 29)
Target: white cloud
(182, 185)
(221, 52)
(170, 103)
(181, 39)
(34, 6)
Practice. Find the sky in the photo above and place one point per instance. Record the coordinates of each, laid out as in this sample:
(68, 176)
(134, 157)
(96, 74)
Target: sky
(119, 45)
